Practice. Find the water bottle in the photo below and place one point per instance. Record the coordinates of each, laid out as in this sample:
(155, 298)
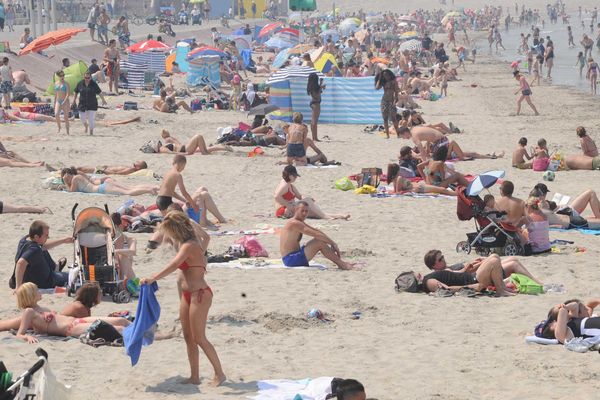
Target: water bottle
(554, 288)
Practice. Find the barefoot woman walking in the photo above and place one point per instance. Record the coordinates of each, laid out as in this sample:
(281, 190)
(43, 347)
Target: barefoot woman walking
(196, 295)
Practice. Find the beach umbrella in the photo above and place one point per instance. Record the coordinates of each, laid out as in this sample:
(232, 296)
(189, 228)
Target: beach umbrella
(411, 45)
(50, 39)
(148, 45)
(483, 181)
(335, 35)
(407, 18)
(241, 43)
(281, 58)
(206, 51)
(292, 72)
(263, 109)
(269, 28)
(409, 35)
(279, 43)
(301, 49)
(353, 20)
(290, 31)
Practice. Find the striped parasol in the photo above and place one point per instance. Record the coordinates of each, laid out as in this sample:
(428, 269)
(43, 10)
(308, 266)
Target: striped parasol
(411, 45)
(292, 72)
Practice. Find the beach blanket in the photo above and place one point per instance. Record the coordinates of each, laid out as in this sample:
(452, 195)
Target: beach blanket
(412, 194)
(39, 336)
(581, 230)
(245, 232)
(141, 331)
(261, 263)
(318, 166)
(287, 389)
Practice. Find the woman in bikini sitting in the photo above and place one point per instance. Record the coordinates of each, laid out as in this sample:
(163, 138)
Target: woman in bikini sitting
(402, 184)
(296, 137)
(435, 172)
(196, 296)
(62, 91)
(87, 296)
(43, 321)
(286, 195)
(195, 144)
(76, 182)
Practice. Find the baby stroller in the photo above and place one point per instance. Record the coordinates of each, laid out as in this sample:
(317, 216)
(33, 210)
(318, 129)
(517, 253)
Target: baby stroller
(26, 386)
(488, 234)
(94, 255)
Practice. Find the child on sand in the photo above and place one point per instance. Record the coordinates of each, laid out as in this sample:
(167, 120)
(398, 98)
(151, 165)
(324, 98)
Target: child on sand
(171, 181)
(520, 154)
(541, 156)
(443, 83)
(588, 146)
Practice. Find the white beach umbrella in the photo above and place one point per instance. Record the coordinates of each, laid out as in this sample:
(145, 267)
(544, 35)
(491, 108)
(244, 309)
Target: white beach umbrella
(411, 45)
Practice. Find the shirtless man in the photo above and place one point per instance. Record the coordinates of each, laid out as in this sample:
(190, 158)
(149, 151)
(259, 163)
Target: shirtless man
(111, 59)
(113, 169)
(515, 208)
(289, 244)
(581, 161)
(434, 139)
(520, 154)
(171, 181)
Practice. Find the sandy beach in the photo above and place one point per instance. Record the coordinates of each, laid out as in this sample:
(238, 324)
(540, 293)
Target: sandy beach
(409, 346)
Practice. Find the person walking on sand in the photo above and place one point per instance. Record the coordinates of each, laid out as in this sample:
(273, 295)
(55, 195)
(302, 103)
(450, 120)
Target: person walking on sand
(387, 80)
(87, 90)
(525, 93)
(7, 82)
(171, 181)
(112, 59)
(196, 296)
(62, 91)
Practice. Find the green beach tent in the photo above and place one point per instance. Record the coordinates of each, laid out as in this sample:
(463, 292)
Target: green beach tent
(73, 75)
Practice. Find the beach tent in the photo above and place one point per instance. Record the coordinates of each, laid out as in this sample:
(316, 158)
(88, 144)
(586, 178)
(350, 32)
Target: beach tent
(181, 52)
(204, 68)
(154, 60)
(345, 100)
(73, 75)
(135, 73)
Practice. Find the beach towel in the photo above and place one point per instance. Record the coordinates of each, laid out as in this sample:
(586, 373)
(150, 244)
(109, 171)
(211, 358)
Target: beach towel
(287, 389)
(266, 231)
(412, 194)
(580, 230)
(539, 340)
(261, 263)
(141, 332)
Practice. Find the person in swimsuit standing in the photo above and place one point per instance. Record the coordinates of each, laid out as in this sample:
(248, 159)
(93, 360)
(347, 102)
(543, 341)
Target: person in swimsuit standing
(62, 91)
(112, 59)
(387, 80)
(196, 296)
(286, 194)
(592, 74)
(171, 181)
(525, 93)
(549, 58)
(314, 88)
(296, 137)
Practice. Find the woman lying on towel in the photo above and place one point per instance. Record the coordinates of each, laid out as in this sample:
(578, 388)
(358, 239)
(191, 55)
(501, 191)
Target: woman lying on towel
(571, 319)
(76, 182)
(43, 321)
(402, 185)
(195, 144)
(18, 116)
(286, 195)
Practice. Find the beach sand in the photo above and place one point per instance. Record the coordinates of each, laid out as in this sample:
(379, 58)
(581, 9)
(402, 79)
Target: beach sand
(409, 346)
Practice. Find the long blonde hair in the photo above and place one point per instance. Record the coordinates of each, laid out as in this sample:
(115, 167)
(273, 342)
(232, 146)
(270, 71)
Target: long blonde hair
(27, 295)
(177, 226)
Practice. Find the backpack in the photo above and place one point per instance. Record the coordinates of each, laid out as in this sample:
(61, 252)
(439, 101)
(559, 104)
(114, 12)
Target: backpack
(102, 333)
(369, 176)
(407, 282)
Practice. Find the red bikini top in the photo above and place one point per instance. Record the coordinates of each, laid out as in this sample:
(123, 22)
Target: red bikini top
(184, 266)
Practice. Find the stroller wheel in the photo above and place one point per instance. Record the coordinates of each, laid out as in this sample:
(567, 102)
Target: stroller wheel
(115, 297)
(511, 249)
(123, 297)
(463, 246)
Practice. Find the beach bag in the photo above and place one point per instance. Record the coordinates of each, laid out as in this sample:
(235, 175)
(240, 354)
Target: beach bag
(369, 176)
(252, 246)
(344, 184)
(407, 282)
(130, 105)
(151, 146)
(526, 285)
(101, 333)
(365, 189)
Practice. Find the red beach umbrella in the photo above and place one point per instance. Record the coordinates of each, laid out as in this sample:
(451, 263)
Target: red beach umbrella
(50, 39)
(148, 45)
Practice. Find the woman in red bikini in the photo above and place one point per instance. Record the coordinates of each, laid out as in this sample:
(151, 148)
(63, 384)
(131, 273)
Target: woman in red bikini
(286, 195)
(44, 321)
(196, 296)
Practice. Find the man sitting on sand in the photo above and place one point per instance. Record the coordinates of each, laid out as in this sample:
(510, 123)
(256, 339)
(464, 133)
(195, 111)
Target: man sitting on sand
(109, 169)
(171, 181)
(289, 244)
(34, 264)
(488, 273)
(168, 104)
(435, 260)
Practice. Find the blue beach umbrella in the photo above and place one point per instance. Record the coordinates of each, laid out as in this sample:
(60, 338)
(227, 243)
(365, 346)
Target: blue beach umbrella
(281, 58)
(483, 181)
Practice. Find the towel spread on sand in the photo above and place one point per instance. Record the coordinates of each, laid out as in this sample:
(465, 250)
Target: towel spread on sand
(244, 232)
(287, 389)
(260, 263)
(539, 340)
(581, 230)
(141, 331)
(412, 194)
